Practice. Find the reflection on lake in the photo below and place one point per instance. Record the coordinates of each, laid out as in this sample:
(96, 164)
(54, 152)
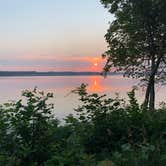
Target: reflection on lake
(11, 87)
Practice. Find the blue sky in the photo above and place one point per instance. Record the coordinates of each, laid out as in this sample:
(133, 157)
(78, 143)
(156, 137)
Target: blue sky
(47, 34)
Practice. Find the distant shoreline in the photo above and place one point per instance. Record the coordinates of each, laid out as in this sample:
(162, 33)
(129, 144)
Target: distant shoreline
(65, 73)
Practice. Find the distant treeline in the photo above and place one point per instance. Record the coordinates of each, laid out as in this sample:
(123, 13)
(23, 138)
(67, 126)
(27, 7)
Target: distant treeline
(35, 73)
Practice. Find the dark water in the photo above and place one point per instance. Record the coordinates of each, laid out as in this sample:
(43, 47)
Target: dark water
(11, 87)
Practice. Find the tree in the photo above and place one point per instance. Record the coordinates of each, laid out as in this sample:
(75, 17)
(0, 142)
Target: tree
(137, 42)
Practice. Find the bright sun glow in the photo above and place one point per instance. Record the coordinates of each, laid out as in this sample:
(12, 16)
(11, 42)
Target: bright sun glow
(95, 64)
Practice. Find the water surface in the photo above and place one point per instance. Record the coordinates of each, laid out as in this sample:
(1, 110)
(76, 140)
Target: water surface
(11, 87)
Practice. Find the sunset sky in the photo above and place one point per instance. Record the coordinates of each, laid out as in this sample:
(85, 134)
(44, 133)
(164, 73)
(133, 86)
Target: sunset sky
(52, 35)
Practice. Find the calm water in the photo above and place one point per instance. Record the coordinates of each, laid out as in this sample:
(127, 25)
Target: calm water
(11, 87)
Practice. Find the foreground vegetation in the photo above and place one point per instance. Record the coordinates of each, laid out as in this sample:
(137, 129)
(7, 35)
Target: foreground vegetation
(106, 132)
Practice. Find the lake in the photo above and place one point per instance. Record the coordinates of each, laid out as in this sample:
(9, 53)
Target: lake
(61, 86)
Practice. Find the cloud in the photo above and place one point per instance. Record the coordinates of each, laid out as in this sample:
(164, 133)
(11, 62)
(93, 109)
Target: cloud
(51, 63)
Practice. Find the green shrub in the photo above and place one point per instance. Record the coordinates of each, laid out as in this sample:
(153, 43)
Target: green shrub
(29, 128)
(106, 131)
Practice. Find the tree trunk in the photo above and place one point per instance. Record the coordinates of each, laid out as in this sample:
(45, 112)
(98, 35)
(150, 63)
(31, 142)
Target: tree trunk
(152, 87)
(149, 101)
(150, 91)
(146, 101)
(152, 95)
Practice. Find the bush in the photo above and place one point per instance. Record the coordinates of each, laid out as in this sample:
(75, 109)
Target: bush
(28, 129)
(111, 123)
(105, 131)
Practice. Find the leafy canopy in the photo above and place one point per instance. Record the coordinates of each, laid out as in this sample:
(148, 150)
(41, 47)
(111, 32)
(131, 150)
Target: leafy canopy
(137, 37)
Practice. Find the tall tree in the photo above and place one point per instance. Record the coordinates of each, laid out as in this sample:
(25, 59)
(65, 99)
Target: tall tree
(137, 42)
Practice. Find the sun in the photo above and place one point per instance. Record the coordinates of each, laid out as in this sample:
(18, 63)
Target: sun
(95, 64)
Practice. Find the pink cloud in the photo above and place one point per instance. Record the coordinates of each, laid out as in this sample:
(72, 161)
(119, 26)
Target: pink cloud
(53, 63)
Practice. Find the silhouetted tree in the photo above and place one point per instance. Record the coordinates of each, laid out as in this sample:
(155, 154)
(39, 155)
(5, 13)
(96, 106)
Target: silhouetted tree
(137, 42)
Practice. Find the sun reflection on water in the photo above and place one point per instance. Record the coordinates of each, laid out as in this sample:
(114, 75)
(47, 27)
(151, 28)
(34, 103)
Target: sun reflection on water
(95, 84)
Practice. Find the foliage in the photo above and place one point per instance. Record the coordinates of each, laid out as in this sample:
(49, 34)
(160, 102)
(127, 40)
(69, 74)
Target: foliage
(106, 131)
(108, 126)
(137, 40)
(28, 129)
